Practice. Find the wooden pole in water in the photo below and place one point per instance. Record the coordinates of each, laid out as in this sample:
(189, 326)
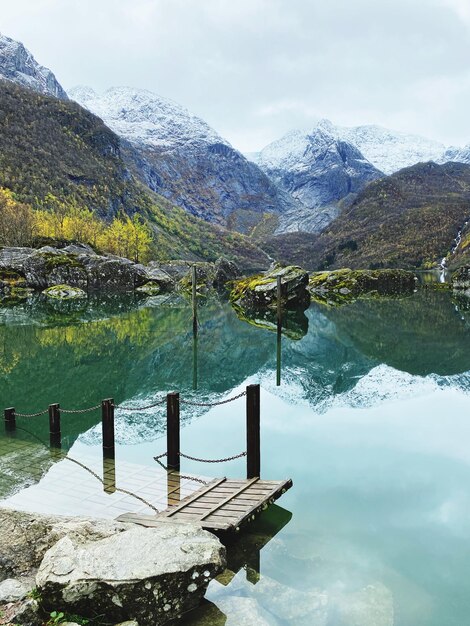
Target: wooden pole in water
(194, 285)
(10, 420)
(173, 431)
(253, 447)
(107, 423)
(279, 331)
(54, 425)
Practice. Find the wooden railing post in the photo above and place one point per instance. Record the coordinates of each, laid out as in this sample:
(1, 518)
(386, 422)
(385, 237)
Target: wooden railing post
(194, 297)
(279, 331)
(253, 451)
(54, 425)
(173, 431)
(10, 420)
(107, 422)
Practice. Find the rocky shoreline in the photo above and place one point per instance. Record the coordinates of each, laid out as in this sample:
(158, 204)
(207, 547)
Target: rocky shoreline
(90, 567)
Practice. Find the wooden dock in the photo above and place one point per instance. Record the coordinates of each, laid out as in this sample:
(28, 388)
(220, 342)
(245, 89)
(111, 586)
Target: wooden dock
(223, 506)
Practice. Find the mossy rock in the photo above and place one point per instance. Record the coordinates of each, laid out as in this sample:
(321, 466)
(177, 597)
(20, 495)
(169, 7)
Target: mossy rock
(64, 292)
(260, 291)
(11, 278)
(52, 261)
(345, 285)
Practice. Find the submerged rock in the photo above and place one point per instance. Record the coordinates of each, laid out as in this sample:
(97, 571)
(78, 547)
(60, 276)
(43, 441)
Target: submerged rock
(345, 285)
(260, 291)
(64, 292)
(149, 574)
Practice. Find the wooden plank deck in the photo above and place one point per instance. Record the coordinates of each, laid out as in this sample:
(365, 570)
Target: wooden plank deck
(222, 506)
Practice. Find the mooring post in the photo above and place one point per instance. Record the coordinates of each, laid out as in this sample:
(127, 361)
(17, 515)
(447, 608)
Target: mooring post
(253, 451)
(54, 425)
(107, 423)
(10, 420)
(194, 299)
(279, 331)
(173, 431)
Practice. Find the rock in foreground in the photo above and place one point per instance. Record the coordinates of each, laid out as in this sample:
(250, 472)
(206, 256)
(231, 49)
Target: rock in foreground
(340, 286)
(260, 291)
(148, 574)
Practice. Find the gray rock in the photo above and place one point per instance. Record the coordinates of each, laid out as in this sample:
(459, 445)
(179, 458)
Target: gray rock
(370, 606)
(258, 292)
(49, 266)
(150, 574)
(26, 537)
(151, 288)
(19, 66)
(14, 258)
(225, 271)
(14, 589)
(243, 611)
(112, 273)
(24, 613)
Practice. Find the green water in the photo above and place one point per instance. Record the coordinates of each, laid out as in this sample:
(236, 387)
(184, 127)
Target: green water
(371, 421)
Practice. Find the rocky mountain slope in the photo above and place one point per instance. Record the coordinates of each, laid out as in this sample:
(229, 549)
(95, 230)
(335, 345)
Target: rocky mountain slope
(55, 155)
(409, 219)
(318, 170)
(182, 158)
(17, 64)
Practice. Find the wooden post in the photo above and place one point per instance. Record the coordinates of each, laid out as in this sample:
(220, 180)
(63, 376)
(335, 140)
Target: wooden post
(173, 488)
(107, 423)
(10, 420)
(194, 358)
(173, 431)
(279, 331)
(194, 284)
(253, 451)
(54, 425)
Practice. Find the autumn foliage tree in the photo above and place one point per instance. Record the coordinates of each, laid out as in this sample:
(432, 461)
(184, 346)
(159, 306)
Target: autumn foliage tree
(17, 224)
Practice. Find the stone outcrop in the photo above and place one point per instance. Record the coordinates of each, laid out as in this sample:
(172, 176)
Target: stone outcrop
(64, 292)
(77, 267)
(345, 285)
(84, 566)
(260, 291)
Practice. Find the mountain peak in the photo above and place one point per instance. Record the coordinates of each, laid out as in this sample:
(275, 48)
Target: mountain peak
(145, 118)
(19, 66)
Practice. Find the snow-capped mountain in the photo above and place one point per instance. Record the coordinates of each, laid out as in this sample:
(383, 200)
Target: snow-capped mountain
(390, 150)
(461, 155)
(317, 169)
(182, 158)
(18, 65)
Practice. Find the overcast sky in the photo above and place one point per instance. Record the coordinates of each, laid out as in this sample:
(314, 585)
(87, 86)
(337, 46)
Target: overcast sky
(254, 69)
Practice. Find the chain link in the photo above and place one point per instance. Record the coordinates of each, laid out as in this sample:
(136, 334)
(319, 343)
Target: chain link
(229, 458)
(31, 414)
(196, 480)
(91, 408)
(240, 395)
(140, 408)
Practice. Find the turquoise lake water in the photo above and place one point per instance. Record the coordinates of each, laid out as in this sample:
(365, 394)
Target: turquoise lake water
(371, 421)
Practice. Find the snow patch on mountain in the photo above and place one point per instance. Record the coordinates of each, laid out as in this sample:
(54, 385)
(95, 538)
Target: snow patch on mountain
(19, 66)
(144, 118)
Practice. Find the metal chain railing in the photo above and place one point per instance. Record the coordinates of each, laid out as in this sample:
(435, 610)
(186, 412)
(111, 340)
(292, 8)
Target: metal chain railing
(91, 408)
(31, 414)
(194, 458)
(141, 408)
(240, 395)
(194, 478)
(121, 407)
